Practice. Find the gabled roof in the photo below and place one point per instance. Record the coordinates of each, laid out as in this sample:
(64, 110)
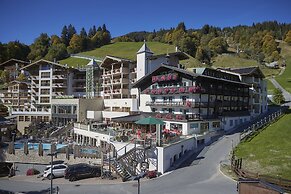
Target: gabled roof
(43, 60)
(18, 82)
(15, 60)
(179, 55)
(145, 49)
(245, 71)
(146, 80)
(112, 59)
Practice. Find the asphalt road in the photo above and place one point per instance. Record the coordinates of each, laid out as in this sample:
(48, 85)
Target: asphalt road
(286, 94)
(199, 174)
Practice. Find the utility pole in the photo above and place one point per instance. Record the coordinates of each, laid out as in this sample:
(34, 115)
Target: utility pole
(52, 154)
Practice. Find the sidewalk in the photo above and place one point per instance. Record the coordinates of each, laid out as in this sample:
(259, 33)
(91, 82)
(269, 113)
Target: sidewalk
(57, 181)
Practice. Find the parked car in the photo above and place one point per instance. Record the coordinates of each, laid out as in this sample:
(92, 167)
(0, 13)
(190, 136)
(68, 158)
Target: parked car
(58, 171)
(79, 171)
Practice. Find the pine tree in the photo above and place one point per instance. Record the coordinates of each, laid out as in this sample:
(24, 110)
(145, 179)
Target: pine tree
(83, 33)
(90, 33)
(71, 32)
(104, 28)
(64, 36)
(94, 30)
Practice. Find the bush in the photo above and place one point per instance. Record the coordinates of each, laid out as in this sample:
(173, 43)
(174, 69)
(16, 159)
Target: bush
(32, 171)
(151, 174)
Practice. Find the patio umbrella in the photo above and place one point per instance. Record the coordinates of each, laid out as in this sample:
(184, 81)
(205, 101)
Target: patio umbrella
(149, 121)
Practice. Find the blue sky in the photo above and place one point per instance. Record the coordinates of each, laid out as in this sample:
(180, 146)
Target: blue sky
(24, 20)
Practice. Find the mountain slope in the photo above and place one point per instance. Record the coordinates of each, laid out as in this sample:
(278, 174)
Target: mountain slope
(127, 50)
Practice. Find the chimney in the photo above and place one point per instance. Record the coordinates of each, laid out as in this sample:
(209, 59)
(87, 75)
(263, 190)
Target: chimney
(176, 48)
(55, 60)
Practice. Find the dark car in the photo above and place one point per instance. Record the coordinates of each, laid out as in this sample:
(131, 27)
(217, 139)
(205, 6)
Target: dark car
(79, 171)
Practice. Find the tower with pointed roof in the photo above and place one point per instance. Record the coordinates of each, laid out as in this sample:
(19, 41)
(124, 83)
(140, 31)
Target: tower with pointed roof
(142, 63)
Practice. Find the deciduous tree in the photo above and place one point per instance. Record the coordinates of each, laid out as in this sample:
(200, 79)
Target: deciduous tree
(278, 97)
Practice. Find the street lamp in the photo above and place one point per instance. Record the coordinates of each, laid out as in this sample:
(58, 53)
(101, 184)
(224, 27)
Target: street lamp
(138, 177)
(52, 154)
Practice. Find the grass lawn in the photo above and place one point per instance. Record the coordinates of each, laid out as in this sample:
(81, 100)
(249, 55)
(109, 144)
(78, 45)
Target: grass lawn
(269, 152)
(285, 79)
(270, 87)
(237, 62)
(128, 50)
(74, 62)
(233, 61)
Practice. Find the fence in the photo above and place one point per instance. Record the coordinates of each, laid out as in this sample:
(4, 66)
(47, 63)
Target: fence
(236, 165)
(247, 134)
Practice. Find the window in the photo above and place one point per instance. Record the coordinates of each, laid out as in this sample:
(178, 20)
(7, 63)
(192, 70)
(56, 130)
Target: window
(46, 119)
(231, 122)
(21, 118)
(216, 124)
(154, 110)
(44, 99)
(45, 83)
(194, 126)
(45, 74)
(27, 118)
(204, 126)
(45, 91)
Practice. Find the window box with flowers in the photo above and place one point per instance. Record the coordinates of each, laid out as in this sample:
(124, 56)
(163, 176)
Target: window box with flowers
(188, 104)
(169, 77)
(162, 78)
(159, 91)
(147, 91)
(155, 79)
(169, 116)
(182, 90)
(179, 117)
(172, 90)
(175, 76)
(153, 91)
(158, 115)
(166, 91)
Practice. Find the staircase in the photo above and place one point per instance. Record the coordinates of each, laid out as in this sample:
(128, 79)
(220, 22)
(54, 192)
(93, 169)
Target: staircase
(62, 130)
(126, 164)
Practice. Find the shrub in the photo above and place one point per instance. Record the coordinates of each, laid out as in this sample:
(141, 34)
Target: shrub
(32, 171)
(151, 174)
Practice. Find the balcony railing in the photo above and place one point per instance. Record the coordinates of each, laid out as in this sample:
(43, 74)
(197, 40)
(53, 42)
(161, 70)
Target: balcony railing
(163, 78)
(175, 90)
(180, 104)
(179, 117)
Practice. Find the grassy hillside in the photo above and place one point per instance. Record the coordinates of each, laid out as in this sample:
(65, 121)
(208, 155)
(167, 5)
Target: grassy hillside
(285, 79)
(128, 50)
(233, 61)
(269, 152)
(74, 62)
(270, 87)
(236, 62)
